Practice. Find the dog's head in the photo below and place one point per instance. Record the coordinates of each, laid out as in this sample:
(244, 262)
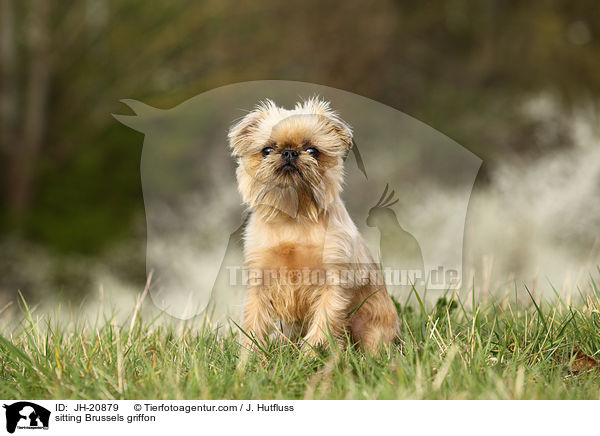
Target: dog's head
(290, 160)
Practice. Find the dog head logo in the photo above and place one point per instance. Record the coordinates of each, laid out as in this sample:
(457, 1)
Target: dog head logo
(26, 415)
(194, 213)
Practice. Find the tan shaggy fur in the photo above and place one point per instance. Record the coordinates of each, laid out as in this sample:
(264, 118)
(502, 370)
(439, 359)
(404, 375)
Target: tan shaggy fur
(299, 226)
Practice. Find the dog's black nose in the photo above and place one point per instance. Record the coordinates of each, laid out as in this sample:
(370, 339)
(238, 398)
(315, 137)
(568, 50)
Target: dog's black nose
(290, 156)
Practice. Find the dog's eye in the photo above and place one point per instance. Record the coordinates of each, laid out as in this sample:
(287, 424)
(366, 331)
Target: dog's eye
(312, 151)
(267, 151)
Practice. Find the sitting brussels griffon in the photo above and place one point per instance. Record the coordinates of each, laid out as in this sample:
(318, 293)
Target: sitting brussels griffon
(308, 265)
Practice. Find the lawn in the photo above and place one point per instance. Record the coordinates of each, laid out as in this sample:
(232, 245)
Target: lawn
(505, 347)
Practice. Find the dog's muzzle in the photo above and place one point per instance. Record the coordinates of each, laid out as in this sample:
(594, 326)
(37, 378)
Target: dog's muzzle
(289, 160)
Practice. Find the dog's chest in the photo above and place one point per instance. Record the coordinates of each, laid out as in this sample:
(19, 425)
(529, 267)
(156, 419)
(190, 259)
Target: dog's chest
(290, 262)
(294, 256)
(294, 278)
(285, 246)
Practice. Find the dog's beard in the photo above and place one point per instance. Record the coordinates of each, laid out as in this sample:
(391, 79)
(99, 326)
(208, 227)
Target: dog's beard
(297, 192)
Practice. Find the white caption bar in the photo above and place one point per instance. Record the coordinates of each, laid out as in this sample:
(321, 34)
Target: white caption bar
(73, 417)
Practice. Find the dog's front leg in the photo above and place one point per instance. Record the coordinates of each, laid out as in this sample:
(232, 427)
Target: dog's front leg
(257, 317)
(329, 314)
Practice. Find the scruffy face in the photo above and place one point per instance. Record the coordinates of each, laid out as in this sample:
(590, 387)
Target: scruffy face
(290, 160)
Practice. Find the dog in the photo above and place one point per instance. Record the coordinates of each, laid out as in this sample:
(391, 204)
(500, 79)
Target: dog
(308, 265)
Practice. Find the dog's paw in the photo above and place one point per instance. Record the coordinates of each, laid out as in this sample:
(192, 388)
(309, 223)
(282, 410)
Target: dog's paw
(315, 339)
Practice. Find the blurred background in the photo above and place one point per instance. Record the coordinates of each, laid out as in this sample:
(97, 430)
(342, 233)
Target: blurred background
(516, 83)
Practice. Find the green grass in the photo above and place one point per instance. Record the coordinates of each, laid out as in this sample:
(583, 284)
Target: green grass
(503, 349)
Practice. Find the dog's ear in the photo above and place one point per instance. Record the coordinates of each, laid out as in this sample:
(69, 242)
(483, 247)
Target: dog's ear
(323, 108)
(342, 130)
(240, 133)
